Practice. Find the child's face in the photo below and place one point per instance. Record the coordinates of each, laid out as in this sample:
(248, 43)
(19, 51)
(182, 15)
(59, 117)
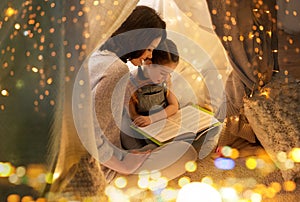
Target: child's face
(159, 73)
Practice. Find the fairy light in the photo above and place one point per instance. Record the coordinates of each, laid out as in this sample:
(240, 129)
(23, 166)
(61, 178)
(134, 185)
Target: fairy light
(256, 197)
(183, 181)
(143, 183)
(226, 151)
(295, 155)
(121, 182)
(289, 186)
(191, 166)
(197, 190)
(229, 194)
(251, 163)
(27, 199)
(10, 12)
(224, 163)
(4, 93)
(169, 194)
(207, 180)
(13, 198)
(5, 169)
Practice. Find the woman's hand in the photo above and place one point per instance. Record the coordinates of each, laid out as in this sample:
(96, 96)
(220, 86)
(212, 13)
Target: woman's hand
(142, 121)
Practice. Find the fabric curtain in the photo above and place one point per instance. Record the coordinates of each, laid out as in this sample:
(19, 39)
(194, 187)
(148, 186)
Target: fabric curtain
(100, 21)
(247, 30)
(288, 16)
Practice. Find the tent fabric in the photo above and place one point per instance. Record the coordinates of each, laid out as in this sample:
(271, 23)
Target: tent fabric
(248, 33)
(288, 16)
(71, 155)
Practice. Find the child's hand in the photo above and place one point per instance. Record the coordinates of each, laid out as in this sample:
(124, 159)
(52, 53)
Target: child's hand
(142, 121)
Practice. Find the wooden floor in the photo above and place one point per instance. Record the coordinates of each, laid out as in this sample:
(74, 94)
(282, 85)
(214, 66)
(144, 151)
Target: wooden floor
(289, 53)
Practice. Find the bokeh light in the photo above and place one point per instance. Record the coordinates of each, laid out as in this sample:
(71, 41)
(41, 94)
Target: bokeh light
(183, 181)
(295, 155)
(251, 163)
(120, 182)
(224, 163)
(194, 191)
(191, 166)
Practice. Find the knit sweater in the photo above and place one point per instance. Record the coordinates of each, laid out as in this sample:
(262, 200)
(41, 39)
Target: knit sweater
(108, 78)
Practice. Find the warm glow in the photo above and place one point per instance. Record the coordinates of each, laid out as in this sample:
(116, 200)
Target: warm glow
(4, 93)
(143, 183)
(224, 163)
(169, 194)
(289, 186)
(234, 153)
(5, 169)
(13, 198)
(183, 181)
(251, 163)
(49, 178)
(191, 166)
(120, 182)
(9, 12)
(295, 155)
(26, 199)
(226, 151)
(34, 69)
(194, 191)
(229, 194)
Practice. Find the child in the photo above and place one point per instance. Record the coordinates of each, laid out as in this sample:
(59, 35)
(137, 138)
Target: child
(149, 97)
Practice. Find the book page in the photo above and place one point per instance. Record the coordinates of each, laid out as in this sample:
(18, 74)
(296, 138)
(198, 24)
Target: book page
(192, 119)
(188, 120)
(163, 130)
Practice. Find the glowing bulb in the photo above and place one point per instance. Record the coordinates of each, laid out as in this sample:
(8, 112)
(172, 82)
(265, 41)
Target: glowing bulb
(289, 186)
(17, 26)
(120, 182)
(196, 191)
(183, 181)
(224, 163)
(229, 194)
(13, 198)
(5, 169)
(295, 154)
(34, 69)
(9, 12)
(168, 195)
(191, 166)
(251, 163)
(226, 151)
(4, 92)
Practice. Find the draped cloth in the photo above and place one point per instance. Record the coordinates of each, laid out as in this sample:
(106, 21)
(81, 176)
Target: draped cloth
(69, 158)
(247, 30)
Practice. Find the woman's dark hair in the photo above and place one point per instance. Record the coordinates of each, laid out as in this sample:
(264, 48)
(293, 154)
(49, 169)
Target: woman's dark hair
(136, 33)
(166, 52)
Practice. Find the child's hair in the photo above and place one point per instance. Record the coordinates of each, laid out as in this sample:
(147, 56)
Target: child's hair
(165, 53)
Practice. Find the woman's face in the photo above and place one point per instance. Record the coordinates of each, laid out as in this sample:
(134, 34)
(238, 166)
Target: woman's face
(147, 55)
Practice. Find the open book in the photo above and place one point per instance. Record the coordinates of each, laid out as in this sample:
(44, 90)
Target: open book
(190, 122)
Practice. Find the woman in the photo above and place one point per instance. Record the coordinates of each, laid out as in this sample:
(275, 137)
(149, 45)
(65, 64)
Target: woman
(134, 41)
